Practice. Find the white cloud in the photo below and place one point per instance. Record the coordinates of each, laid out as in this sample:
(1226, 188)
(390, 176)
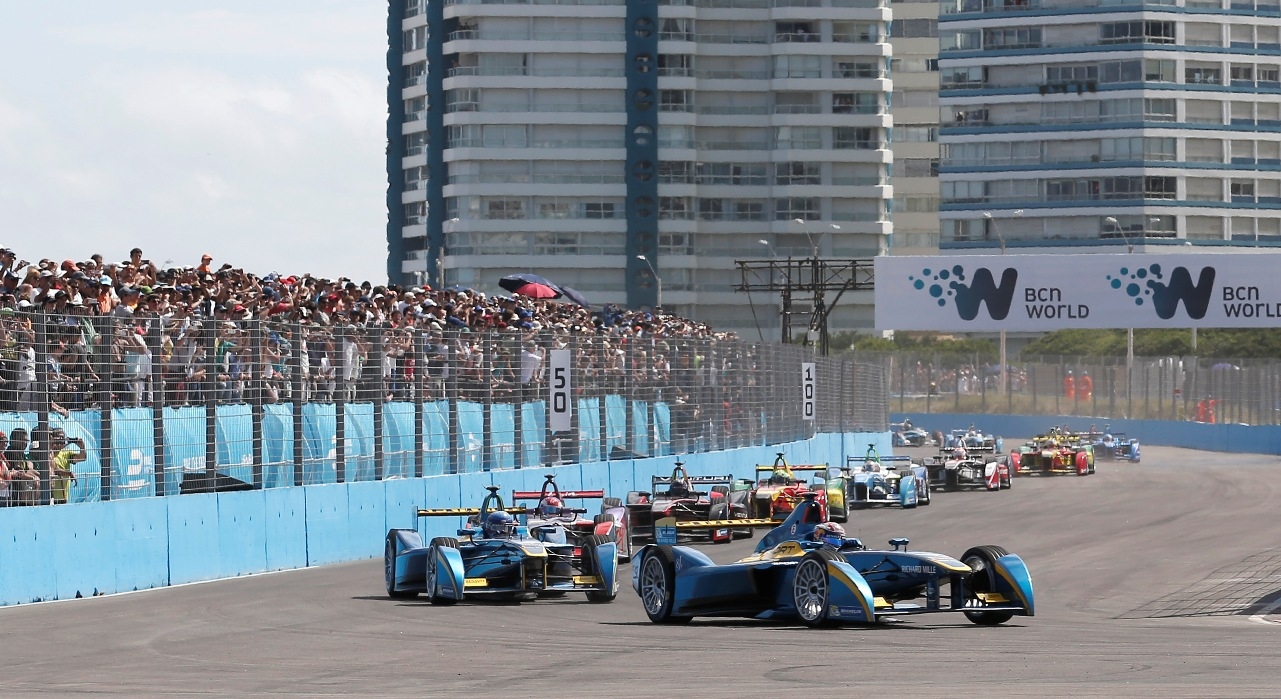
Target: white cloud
(257, 135)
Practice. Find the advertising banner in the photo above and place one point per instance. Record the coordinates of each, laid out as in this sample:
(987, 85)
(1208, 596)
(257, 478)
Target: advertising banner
(1052, 292)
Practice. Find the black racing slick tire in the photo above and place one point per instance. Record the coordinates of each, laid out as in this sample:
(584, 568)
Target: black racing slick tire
(608, 503)
(811, 587)
(658, 586)
(389, 570)
(981, 560)
(439, 542)
(923, 497)
(719, 513)
(589, 563)
(602, 518)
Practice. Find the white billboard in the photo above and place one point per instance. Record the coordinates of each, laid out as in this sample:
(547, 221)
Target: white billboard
(1053, 292)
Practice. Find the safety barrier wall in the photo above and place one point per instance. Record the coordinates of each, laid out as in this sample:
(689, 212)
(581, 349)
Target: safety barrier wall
(89, 548)
(1248, 439)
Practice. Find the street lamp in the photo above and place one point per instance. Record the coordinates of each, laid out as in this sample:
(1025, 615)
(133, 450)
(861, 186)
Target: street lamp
(657, 279)
(1129, 332)
(995, 229)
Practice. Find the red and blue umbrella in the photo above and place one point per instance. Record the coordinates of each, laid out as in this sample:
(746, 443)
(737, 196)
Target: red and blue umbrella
(531, 285)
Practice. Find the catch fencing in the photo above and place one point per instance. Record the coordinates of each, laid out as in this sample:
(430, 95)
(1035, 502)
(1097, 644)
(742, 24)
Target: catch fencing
(134, 407)
(1241, 391)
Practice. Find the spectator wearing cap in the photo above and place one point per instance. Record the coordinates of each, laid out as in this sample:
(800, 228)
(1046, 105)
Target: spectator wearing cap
(61, 460)
(205, 261)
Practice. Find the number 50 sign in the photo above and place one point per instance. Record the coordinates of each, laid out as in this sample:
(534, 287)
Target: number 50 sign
(561, 412)
(807, 390)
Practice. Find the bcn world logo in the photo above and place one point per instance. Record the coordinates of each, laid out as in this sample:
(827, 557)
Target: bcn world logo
(951, 283)
(1148, 283)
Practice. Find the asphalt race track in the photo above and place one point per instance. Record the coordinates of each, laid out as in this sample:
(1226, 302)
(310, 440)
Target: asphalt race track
(1153, 579)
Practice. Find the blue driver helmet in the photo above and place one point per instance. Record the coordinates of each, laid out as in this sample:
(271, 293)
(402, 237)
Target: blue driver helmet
(830, 533)
(499, 525)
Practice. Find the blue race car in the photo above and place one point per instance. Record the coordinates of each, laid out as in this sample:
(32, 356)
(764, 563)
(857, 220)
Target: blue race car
(973, 440)
(905, 434)
(1115, 445)
(496, 557)
(800, 572)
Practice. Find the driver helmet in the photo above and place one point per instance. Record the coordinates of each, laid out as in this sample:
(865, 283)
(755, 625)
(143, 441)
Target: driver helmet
(871, 466)
(958, 453)
(907, 424)
(830, 533)
(499, 525)
(679, 486)
(550, 506)
(781, 476)
(1107, 439)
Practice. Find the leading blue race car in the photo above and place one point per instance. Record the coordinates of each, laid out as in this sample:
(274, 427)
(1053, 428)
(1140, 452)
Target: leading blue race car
(1115, 445)
(496, 557)
(822, 582)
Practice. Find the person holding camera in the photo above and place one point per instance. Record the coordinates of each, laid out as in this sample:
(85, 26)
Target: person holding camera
(61, 461)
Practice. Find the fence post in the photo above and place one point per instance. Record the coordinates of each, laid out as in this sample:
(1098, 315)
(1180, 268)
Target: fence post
(106, 377)
(256, 397)
(300, 394)
(378, 356)
(340, 404)
(929, 384)
(213, 373)
(157, 380)
(419, 350)
(39, 358)
(451, 394)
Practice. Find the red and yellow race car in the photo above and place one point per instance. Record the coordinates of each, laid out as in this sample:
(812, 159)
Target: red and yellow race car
(780, 486)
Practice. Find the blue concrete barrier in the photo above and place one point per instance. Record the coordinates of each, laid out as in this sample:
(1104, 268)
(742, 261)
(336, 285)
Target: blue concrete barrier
(1246, 439)
(81, 549)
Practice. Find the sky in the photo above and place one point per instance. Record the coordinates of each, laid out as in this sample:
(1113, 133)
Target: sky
(252, 130)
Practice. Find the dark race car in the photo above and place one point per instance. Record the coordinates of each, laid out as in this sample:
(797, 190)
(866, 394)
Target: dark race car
(905, 434)
(806, 570)
(554, 522)
(681, 498)
(496, 556)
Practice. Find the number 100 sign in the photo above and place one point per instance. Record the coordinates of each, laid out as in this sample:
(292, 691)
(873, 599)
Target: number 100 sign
(807, 390)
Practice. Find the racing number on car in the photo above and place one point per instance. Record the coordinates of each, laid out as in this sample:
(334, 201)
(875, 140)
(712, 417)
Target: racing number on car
(561, 417)
(807, 390)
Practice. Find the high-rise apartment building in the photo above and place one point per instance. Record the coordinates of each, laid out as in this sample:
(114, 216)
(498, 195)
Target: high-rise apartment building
(1070, 122)
(636, 148)
(915, 103)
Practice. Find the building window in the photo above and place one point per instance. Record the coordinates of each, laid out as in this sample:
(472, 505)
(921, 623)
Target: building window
(856, 138)
(554, 209)
(797, 173)
(673, 208)
(674, 100)
(789, 208)
(674, 172)
(920, 167)
(415, 143)
(857, 69)
(914, 28)
(1017, 38)
(505, 209)
(598, 210)
(414, 39)
(1138, 31)
(1160, 71)
(1202, 75)
(962, 77)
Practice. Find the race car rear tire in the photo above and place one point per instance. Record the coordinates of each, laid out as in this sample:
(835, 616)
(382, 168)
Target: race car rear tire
(761, 508)
(810, 589)
(658, 586)
(602, 518)
(589, 563)
(608, 503)
(951, 479)
(437, 543)
(982, 560)
(389, 570)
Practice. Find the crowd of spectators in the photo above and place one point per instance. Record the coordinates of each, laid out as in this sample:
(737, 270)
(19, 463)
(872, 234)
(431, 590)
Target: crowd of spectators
(216, 332)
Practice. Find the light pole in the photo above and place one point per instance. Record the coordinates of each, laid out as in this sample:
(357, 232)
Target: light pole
(1005, 372)
(657, 279)
(1129, 332)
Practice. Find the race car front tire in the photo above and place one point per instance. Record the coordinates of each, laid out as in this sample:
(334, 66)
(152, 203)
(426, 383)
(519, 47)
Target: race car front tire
(437, 543)
(589, 563)
(389, 570)
(923, 493)
(810, 588)
(982, 560)
(658, 586)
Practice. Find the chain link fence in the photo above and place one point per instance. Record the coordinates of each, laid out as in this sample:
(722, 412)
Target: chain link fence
(1244, 391)
(98, 408)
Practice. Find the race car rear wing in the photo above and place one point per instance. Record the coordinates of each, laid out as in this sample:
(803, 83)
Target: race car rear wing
(729, 523)
(792, 467)
(857, 461)
(576, 494)
(466, 511)
(695, 480)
